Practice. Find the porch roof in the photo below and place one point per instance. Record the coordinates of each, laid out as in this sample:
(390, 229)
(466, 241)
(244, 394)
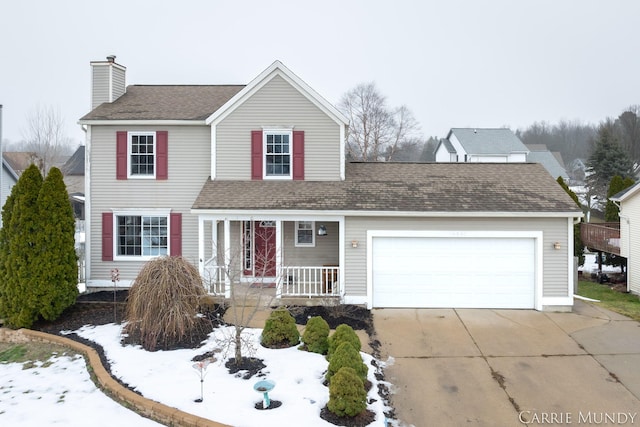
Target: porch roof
(401, 187)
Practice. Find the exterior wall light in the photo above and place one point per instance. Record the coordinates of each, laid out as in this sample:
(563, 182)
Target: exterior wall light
(322, 231)
(556, 245)
(354, 243)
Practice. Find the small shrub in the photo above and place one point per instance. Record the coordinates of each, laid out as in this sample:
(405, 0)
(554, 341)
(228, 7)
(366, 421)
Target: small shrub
(347, 396)
(346, 356)
(162, 306)
(343, 333)
(280, 330)
(316, 335)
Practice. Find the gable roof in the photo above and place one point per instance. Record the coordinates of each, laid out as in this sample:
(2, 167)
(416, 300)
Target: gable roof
(488, 141)
(9, 169)
(19, 160)
(419, 189)
(75, 164)
(550, 163)
(627, 193)
(447, 145)
(277, 68)
(165, 102)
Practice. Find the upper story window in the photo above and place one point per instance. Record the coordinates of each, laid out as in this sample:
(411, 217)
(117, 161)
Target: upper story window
(277, 154)
(142, 155)
(304, 233)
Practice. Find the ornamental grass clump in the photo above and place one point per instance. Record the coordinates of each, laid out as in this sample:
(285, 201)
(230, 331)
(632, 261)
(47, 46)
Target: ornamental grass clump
(343, 333)
(316, 335)
(346, 356)
(280, 330)
(347, 396)
(162, 307)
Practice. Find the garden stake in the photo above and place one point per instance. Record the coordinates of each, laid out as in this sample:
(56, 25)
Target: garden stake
(201, 367)
(115, 277)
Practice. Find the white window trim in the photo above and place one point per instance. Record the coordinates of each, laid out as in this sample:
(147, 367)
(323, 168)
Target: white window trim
(313, 236)
(155, 212)
(129, 153)
(276, 131)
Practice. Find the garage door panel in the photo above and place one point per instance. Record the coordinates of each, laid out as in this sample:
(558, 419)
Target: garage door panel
(453, 272)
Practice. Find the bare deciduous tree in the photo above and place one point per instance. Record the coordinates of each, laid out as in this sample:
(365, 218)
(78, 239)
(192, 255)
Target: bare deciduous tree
(376, 133)
(46, 137)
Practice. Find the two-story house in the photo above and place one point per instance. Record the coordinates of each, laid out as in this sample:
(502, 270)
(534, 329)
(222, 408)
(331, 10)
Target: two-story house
(250, 183)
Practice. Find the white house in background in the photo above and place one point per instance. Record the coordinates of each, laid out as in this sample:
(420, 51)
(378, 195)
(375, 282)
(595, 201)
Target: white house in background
(9, 179)
(252, 179)
(551, 160)
(629, 202)
(469, 145)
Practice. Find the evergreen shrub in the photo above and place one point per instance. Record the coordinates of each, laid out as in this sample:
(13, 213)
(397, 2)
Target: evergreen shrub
(346, 356)
(343, 333)
(347, 396)
(316, 335)
(280, 330)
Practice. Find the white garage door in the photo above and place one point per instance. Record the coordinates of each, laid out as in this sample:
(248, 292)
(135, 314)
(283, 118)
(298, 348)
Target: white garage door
(453, 272)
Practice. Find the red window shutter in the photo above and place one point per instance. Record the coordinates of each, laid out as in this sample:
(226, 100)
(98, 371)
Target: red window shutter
(107, 236)
(256, 154)
(298, 154)
(175, 225)
(121, 155)
(162, 155)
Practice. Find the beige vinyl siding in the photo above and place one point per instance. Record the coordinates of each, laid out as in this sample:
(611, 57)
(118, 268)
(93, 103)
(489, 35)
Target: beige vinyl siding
(118, 88)
(325, 251)
(189, 154)
(322, 134)
(99, 85)
(555, 263)
(630, 240)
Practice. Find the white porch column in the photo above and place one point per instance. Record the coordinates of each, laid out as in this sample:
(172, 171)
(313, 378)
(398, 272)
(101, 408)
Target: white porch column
(214, 241)
(227, 257)
(201, 246)
(341, 254)
(279, 259)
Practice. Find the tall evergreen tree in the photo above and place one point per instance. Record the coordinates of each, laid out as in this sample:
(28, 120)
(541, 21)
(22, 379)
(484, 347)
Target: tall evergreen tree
(578, 246)
(17, 303)
(608, 159)
(612, 211)
(55, 275)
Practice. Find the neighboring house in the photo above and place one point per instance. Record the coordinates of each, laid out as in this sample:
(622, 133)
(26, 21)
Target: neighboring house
(253, 180)
(9, 179)
(552, 161)
(468, 145)
(629, 202)
(73, 171)
(20, 160)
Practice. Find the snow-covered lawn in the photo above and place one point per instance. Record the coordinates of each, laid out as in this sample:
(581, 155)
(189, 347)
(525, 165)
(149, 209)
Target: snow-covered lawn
(170, 378)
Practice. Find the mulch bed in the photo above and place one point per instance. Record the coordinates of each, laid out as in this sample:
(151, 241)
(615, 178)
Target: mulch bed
(99, 308)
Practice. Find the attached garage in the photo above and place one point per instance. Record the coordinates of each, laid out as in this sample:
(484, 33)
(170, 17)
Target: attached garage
(454, 269)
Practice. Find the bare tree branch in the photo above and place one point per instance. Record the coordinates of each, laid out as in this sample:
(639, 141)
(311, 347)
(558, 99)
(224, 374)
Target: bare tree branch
(45, 136)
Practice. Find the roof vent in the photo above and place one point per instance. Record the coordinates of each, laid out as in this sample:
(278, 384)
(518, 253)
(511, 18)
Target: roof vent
(475, 131)
(111, 58)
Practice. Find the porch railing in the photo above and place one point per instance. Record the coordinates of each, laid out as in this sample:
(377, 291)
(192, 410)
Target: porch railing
(214, 278)
(310, 281)
(601, 236)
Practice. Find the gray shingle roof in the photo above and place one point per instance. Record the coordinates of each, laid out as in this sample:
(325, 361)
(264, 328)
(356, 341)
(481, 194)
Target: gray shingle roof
(165, 102)
(401, 187)
(488, 141)
(550, 163)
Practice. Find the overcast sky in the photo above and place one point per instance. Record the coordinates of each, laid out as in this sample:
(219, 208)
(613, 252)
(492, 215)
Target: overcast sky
(454, 63)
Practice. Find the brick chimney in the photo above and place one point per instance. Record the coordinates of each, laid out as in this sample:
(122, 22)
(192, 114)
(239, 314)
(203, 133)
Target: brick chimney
(107, 81)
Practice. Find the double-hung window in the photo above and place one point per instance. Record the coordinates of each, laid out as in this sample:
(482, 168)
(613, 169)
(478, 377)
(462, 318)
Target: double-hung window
(141, 235)
(277, 154)
(304, 233)
(142, 154)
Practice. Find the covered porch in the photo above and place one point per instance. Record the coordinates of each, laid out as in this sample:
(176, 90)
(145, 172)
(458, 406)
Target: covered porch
(298, 256)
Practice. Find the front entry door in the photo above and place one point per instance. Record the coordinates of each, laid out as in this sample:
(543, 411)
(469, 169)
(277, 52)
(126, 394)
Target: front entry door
(260, 248)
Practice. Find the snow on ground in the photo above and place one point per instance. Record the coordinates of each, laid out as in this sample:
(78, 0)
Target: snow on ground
(58, 392)
(63, 392)
(591, 266)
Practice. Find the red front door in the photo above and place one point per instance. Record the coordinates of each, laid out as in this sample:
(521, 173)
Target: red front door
(260, 248)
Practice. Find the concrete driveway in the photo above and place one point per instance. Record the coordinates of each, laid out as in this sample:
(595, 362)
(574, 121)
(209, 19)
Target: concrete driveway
(453, 367)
